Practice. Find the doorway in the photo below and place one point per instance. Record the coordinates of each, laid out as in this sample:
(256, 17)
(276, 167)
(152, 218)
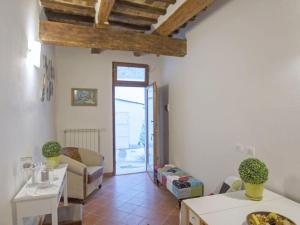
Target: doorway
(129, 117)
(130, 130)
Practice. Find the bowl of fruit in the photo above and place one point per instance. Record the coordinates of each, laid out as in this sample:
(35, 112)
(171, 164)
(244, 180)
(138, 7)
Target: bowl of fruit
(268, 218)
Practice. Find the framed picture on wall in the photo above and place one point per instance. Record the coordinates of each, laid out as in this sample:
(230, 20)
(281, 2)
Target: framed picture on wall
(84, 97)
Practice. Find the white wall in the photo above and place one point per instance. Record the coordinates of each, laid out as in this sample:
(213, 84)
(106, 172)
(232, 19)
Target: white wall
(239, 83)
(79, 68)
(25, 122)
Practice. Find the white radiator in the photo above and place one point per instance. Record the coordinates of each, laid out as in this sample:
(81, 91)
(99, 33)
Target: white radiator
(83, 138)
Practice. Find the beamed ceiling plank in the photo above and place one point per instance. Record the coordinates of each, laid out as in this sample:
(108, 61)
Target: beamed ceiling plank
(121, 18)
(125, 16)
(131, 12)
(165, 1)
(129, 26)
(67, 18)
(104, 38)
(68, 8)
(160, 5)
(105, 10)
(83, 3)
(182, 15)
(141, 7)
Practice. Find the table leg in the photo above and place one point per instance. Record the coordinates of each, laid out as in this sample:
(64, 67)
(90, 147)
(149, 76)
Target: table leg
(54, 217)
(184, 214)
(66, 191)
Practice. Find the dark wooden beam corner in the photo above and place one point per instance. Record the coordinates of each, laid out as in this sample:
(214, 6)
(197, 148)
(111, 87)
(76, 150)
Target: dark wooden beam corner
(96, 51)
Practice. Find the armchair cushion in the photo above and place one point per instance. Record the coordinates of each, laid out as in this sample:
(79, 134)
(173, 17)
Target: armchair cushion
(73, 165)
(72, 153)
(91, 158)
(93, 173)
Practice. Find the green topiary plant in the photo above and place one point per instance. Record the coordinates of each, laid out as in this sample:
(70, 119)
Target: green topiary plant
(253, 171)
(51, 149)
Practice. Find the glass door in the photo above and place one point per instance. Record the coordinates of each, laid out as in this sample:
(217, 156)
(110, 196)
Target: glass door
(152, 130)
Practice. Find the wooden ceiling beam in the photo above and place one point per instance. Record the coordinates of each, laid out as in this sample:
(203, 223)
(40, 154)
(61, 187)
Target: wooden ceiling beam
(126, 27)
(82, 3)
(182, 15)
(126, 16)
(105, 10)
(114, 17)
(131, 12)
(160, 5)
(130, 26)
(68, 18)
(90, 37)
(165, 1)
(68, 8)
(143, 7)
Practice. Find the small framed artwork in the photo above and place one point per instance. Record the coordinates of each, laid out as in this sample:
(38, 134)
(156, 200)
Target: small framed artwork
(84, 97)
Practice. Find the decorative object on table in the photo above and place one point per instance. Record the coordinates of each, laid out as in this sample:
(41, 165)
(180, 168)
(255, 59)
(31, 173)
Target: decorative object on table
(268, 218)
(254, 173)
(45, 179)
(84, 97)
(26, 164)
(48, 79)
(52, 150)
(230, 184)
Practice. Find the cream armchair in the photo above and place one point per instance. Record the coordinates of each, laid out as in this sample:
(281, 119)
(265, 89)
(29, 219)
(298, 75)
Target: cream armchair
(85, 171)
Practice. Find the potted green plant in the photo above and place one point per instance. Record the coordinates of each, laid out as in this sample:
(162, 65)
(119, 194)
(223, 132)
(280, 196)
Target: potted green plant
(51, 150)
(254, 173)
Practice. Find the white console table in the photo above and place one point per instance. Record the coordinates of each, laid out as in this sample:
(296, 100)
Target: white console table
(233, 208)
(42, 201)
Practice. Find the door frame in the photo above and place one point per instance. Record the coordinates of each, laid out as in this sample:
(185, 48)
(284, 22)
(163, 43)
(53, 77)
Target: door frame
(116, 83)
(155, 128)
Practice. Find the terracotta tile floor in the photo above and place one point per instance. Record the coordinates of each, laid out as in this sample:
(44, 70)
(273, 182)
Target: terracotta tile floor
(131, 200)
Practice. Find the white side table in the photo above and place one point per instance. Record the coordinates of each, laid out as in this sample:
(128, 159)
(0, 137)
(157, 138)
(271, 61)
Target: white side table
(42, 200)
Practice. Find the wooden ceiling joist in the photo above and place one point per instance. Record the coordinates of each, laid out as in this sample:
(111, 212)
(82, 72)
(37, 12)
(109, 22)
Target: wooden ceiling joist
(58, 6)
(129, 26)
(66, 18)
(160, 5)
(131, 12)
(143, 7)
(126, 16)
(165, 1)
(82, 3)
(182, 15)
(129, 20)
(89, 37)
(105, 10)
